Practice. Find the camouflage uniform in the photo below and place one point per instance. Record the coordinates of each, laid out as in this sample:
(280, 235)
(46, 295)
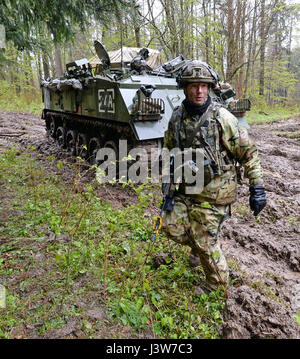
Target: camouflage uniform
(196, 219)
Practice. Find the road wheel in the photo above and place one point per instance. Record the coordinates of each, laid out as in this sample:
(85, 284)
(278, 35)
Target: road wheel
(82, 145)
(71, 142)
(94, 146)
(60, 136)
(52, 127)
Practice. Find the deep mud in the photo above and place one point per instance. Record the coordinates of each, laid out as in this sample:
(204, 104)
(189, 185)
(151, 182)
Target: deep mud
(263, 254)
(267, 251)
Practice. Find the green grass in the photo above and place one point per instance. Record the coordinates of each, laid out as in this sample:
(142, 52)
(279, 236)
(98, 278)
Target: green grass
(24, 101)
(270, 115)
(287, 134)
(61, 247)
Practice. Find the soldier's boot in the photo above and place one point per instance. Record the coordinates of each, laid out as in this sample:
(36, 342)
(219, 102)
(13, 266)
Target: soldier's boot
(216, 270)
(194, 260)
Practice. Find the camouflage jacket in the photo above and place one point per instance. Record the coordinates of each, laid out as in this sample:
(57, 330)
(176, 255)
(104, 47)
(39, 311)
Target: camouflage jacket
(230, 142)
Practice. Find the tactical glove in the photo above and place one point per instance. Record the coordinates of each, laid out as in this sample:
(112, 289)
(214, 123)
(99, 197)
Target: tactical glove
(257, 199)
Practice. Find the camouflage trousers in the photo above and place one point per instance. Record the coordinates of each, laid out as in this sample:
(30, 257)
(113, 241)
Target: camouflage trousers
(197, 225)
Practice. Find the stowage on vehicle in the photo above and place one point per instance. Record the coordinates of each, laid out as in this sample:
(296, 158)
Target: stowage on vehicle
(127, 95)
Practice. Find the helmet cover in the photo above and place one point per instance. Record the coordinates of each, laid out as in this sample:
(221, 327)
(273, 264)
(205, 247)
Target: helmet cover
(197, 71)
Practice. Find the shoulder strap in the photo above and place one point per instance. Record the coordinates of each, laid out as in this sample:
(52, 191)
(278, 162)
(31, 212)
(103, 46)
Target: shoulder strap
(176, 119)
(203, 118)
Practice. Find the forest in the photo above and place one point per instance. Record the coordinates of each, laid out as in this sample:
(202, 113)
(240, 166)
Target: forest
(251, 43)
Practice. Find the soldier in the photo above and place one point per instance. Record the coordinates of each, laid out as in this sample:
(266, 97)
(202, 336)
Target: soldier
(196, 219)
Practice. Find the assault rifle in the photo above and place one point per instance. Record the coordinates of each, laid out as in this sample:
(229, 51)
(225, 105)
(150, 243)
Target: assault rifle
(168, 190)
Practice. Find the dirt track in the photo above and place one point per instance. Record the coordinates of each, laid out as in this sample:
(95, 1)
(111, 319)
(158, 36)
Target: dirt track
(264, 255)
(269, 251)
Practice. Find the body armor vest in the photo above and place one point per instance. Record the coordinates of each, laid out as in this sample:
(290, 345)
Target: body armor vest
(203, 132)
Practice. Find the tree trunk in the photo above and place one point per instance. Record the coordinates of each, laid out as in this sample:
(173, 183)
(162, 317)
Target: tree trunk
(46, 66)
(182, 29)
(38, 65)
(136, 23)
(230, 40)
(52, 63)
(242, 49)
(214, 20)
(58, 62)
(253, 55)
(250, 48)
(262, 49)
(206, 36)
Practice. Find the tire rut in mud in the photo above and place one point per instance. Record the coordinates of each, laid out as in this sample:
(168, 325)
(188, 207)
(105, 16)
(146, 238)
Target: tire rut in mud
(265, 254)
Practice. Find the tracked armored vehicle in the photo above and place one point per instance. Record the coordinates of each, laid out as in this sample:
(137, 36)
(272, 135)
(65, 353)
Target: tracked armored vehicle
(90, 108)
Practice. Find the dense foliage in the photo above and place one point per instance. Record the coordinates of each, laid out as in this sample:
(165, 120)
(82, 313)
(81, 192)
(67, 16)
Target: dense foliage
(26, 21)
(251, 43)
(65, 250)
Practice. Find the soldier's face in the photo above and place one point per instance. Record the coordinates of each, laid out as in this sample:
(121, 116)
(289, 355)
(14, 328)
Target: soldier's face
(197, 93)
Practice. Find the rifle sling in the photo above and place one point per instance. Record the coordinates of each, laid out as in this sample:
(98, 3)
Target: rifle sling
(203, 118)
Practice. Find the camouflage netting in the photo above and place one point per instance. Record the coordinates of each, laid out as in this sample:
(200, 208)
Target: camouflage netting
(62, 85)
(154, 60)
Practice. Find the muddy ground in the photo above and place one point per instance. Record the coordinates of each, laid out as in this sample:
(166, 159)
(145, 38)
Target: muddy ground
(263, 253)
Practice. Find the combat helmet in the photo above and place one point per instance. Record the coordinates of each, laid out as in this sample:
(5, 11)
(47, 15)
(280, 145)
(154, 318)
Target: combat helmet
(197, 71)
